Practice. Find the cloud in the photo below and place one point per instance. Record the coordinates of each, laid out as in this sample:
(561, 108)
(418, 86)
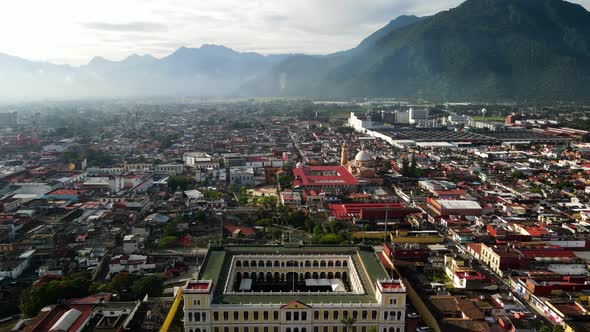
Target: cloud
(126, 27)
(114, 28)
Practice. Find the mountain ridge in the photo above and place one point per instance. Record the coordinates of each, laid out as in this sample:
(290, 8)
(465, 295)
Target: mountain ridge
(481, 49)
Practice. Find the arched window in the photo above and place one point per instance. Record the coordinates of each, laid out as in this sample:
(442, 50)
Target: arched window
(315, 263)
(277, 263)
(315, 275)
(330, 263)
(268, 263)
(261, 263)
(322, 263)
(238, 263)
(322, 275)
(307, 263)
(197, 330)
(344, 263)
(337, 275)
(253, 263)
(268, 276)
(338, 263)
(330, 275)
(261, 276)
(246, 264)
(307, 275)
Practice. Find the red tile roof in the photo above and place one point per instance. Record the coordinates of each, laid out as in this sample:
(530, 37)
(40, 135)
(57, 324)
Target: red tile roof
(323, 176)
(231, 228)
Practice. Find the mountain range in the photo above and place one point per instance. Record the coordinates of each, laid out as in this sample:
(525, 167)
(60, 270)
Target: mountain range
(482, 49)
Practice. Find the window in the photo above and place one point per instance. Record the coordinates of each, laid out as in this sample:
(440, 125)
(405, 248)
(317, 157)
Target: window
(255, 315)
(216, 329)
(246, 329)
(276, 328)
(288, 315)
(316, 329)
(316, 315)
(374, 314)
(197, 317)
(364, 314)
(190, 316)
(304, 315)
(275, 315)
(203, 316)
(255, 328)
(385, 315)
(296, 315)
(236, 329)
(265, 315)
(335, 314)
(236, 315)
(225, 329)
(355, 315)
(246, 315)
(216, 315)
(265, 329)
(326, 314)
(225, 315)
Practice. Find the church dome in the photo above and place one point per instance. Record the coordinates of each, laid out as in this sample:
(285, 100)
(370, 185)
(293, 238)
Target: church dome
(363, 156)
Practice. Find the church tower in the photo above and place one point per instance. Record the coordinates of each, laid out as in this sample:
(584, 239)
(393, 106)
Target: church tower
(344, 155)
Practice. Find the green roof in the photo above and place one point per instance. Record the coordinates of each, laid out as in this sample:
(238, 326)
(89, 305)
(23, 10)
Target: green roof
(213, 264)
(217, 268)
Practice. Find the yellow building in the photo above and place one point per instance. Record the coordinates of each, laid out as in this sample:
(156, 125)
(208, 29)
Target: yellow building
(286, 289)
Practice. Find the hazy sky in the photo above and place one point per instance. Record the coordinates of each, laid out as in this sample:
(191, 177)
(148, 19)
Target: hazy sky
(73, 31)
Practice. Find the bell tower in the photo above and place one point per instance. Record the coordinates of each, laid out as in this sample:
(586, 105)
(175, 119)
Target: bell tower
(344, 155)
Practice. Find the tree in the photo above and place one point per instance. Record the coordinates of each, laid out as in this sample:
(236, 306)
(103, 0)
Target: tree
(558, 328)
(413, 167)
(120, 282)
(170, 230)
(405, 167)
(46, 293)
(517, 175)
(168, 242)
(348, 323)
(30, 303)
(151, 285)
(545, 328)
(179, 182)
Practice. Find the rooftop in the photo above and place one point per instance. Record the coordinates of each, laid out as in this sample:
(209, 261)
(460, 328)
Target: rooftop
(323, 176)
(217, 267)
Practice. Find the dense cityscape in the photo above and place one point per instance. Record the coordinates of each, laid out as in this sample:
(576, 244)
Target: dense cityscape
(294, 215)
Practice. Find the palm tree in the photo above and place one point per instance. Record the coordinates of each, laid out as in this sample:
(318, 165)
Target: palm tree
(348, 322)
